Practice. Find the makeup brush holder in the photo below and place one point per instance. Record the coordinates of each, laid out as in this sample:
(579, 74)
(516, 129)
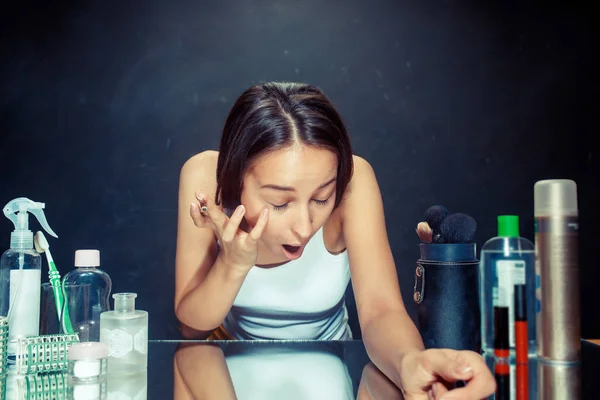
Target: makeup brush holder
(447, 295)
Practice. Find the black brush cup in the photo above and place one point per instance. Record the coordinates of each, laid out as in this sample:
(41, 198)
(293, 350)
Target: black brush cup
(447, 293)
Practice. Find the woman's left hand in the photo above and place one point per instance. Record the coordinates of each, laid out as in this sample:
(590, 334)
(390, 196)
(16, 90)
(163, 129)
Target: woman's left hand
(430, 374)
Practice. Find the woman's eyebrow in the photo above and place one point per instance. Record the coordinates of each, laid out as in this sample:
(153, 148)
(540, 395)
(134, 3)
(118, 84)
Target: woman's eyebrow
(291, 189)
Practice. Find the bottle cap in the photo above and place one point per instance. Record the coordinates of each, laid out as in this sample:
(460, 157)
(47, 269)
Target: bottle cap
(520, 303)
(87, 258)
(88, 351)
(17, 210)
(555, 197)
(508, 225)
(501, 329)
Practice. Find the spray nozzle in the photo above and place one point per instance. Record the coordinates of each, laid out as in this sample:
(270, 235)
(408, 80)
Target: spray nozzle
(17, 211)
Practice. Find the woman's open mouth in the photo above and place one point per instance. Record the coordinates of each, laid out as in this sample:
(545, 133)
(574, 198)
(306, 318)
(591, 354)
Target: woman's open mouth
(292, 252)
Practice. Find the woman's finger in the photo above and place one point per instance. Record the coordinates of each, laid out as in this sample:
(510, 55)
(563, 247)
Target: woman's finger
(197, 217)
(481, 384)
(208, 209)
(438, 389)
(258, 229)
(438, 362)
(233, 224)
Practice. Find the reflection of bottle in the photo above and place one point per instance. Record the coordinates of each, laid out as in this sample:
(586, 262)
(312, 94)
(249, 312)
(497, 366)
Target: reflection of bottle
(125, 330)
(129, 387)
(20, 273)
(87, 273)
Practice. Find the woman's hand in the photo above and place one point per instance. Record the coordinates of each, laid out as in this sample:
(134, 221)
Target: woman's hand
(238, 249)
(430, 374)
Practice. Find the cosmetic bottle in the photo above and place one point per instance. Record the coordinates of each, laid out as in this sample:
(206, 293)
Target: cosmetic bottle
(557, 269)
(125, 331)
(97, 301)
(21, 272)
(506, 260)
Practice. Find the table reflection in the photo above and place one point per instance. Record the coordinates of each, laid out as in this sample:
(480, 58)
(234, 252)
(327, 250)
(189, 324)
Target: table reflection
(294, 371)
(286, 370)
(536, 380)
(60, 386)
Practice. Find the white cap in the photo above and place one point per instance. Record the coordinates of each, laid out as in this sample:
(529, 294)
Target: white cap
(555, 197)
(87, 351)
(87, 258)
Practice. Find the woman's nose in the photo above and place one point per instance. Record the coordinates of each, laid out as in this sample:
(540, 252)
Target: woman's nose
(302, 225)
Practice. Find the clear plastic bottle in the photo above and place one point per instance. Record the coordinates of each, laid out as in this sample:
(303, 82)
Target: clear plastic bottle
(125, 330)
(507, 260)
(86, 272)
(21, 272)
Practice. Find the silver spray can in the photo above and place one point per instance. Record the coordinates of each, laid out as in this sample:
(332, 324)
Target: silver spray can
(557, 270)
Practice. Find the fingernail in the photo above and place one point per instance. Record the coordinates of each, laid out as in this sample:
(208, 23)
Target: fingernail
(200, 196)
(264, 213)
(463, 369)
(239, 211)
(430, 395)
(433, 389)
(448, 397)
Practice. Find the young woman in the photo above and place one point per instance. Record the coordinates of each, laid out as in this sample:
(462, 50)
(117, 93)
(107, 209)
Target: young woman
(272, 227)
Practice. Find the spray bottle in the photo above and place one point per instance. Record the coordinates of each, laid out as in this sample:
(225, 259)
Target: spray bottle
(21, 273)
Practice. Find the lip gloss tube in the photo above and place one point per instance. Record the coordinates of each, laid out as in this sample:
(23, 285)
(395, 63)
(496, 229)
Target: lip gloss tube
(501, 345)
(521, 342)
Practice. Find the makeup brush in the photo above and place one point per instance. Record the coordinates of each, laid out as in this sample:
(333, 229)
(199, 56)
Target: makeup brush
(458, 228)
(424, 232)
(434, 216)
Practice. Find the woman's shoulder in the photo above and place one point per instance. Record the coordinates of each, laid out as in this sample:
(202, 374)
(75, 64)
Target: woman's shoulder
(203, 164)
(363, 180)
(203, 160)
(200, 169)
(363, 173)
(361, 165)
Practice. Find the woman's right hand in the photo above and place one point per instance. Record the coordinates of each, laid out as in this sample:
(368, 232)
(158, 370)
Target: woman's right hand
(238, 249)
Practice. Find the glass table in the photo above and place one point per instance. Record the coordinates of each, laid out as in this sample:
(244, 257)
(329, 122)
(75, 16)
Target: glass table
(292, 370)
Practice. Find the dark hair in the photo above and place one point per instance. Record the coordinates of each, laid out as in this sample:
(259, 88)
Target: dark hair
(272, 116)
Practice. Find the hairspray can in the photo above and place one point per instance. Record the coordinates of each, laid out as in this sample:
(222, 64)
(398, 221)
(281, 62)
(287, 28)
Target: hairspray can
(557, 270)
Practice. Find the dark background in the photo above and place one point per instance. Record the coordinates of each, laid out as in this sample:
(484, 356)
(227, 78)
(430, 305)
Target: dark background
(465, 104)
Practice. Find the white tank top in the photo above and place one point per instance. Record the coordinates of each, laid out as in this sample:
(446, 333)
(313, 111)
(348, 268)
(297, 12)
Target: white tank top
(301, 299)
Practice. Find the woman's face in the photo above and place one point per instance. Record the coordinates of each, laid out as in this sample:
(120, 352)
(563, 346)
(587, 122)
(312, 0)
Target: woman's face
(298, 186)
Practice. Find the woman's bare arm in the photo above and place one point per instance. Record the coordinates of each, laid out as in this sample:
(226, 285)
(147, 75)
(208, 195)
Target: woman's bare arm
(387, 330)
(204, 287)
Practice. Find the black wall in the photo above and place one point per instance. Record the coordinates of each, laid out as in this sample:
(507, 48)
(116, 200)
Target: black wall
(453, 102)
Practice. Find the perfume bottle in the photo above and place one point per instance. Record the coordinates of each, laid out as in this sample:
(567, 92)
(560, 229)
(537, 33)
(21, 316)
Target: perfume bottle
(125, 331)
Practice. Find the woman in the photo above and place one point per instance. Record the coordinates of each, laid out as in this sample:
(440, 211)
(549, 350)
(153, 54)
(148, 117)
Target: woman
(281, 218)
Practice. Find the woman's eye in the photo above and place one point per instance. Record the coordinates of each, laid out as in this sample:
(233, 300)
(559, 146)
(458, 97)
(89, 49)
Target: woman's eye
(280, 207)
